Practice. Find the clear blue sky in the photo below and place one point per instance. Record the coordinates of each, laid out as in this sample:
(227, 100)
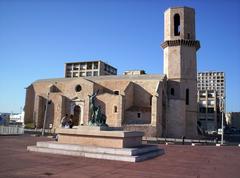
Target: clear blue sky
(38, 36)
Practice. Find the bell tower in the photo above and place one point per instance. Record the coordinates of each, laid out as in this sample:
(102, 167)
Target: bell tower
(180, 67)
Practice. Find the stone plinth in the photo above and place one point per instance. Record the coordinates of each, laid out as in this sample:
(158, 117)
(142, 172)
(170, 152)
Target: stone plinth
(141, 153)
(100, 136)
(99, 142)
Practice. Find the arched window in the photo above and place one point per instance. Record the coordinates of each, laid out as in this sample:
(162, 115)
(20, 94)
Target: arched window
(187, 96)
(139, 115)
(172, 91)
(115, 109)
(176, 25)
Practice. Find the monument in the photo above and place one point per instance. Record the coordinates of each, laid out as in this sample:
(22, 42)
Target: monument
(97, 140)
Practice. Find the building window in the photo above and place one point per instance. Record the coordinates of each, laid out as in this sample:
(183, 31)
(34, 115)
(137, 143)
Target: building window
(95, 65)
(95, 73)
(210, 110)
(82, 66)
(172, 91)
(115, 109)
(116, 92)
(75, 74)
(89, 65)
(78, 88)
(187, 96)
(139, 115)
(89, 73)
(202, 110)
(176, 25)
(82, 74)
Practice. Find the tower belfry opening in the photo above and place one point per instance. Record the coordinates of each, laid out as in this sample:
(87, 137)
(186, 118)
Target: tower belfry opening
(176, 25)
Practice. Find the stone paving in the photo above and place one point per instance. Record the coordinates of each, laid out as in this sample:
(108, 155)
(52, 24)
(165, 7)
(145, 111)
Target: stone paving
(179, 161)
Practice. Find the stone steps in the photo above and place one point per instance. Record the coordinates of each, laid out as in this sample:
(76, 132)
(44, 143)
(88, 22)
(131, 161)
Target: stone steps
(120, 154)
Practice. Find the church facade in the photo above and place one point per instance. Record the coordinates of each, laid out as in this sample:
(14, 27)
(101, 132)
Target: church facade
(159, 105)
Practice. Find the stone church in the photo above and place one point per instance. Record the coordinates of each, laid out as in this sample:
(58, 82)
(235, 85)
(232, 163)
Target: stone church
(159, 105)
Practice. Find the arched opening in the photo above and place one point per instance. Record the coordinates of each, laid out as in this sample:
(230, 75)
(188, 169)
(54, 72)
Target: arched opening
(187, 96)
(115, 109)
(76, 115)
(176, 25)
(172, 91)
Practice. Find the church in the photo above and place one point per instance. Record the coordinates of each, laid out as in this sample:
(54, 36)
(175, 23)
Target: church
(159, 105)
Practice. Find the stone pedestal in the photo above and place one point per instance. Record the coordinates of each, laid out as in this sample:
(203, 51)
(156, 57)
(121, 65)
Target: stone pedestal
(100, 136)
(101, 143)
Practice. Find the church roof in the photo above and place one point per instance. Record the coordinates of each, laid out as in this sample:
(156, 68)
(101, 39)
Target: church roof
(108, 77)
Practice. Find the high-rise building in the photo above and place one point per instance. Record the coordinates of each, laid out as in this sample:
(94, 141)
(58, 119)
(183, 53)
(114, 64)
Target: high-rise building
(211, 92)
(233, 120)
(88, 68)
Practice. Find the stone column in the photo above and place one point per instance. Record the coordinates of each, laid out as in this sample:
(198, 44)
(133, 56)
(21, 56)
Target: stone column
(154, 110)
(121, 110)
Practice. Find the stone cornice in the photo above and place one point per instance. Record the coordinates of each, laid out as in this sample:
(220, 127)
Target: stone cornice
(181, 42)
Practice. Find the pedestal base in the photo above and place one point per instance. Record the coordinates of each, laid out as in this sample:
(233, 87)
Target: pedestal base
(141, 153)
(100, 136)
(100, 143)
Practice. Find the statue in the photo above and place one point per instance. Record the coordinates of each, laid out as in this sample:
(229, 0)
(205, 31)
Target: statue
(97, 118)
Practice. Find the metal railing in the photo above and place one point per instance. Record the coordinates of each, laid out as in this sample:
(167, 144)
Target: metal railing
(11, 130)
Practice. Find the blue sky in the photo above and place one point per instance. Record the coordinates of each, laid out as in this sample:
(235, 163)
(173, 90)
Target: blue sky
(38, 36)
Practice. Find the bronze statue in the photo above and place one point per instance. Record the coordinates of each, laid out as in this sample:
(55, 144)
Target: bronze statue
(97, 118)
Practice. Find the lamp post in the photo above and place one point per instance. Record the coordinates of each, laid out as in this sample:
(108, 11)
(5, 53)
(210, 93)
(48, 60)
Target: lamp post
(45, 115)
(223, 99)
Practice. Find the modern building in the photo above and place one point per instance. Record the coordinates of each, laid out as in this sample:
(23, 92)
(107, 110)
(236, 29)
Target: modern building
(211, 91)
(233, 120)
(17, 118)
(88, 68)
(159, 105)
(207, 109)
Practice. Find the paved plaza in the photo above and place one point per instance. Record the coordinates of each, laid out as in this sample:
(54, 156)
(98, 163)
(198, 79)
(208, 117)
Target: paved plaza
(178, 161)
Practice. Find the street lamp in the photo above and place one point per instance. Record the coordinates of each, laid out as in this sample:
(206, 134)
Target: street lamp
(45, 114)
(222, 107)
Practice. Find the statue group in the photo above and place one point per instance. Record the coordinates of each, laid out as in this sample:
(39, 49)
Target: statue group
(97, 118)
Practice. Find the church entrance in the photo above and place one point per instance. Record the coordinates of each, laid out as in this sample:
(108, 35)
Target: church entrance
(76, 111)
(76, 115)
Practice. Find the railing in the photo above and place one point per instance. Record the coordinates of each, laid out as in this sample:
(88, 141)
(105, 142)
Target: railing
(11, 130)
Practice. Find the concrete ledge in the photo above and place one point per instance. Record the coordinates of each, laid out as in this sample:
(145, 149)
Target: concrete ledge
(93, 136)
(98, 132)
(98, 128)
(169, 143)
(104, 150)
(124, 154)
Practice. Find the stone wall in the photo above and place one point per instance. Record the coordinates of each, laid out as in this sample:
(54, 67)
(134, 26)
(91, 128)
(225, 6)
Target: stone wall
(29, 105)
(110, 107)
(176, 124)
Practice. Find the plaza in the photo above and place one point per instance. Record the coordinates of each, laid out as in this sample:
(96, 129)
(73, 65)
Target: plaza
(178, 161)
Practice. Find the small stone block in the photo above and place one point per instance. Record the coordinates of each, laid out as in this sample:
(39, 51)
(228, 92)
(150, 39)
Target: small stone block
(196, 144)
